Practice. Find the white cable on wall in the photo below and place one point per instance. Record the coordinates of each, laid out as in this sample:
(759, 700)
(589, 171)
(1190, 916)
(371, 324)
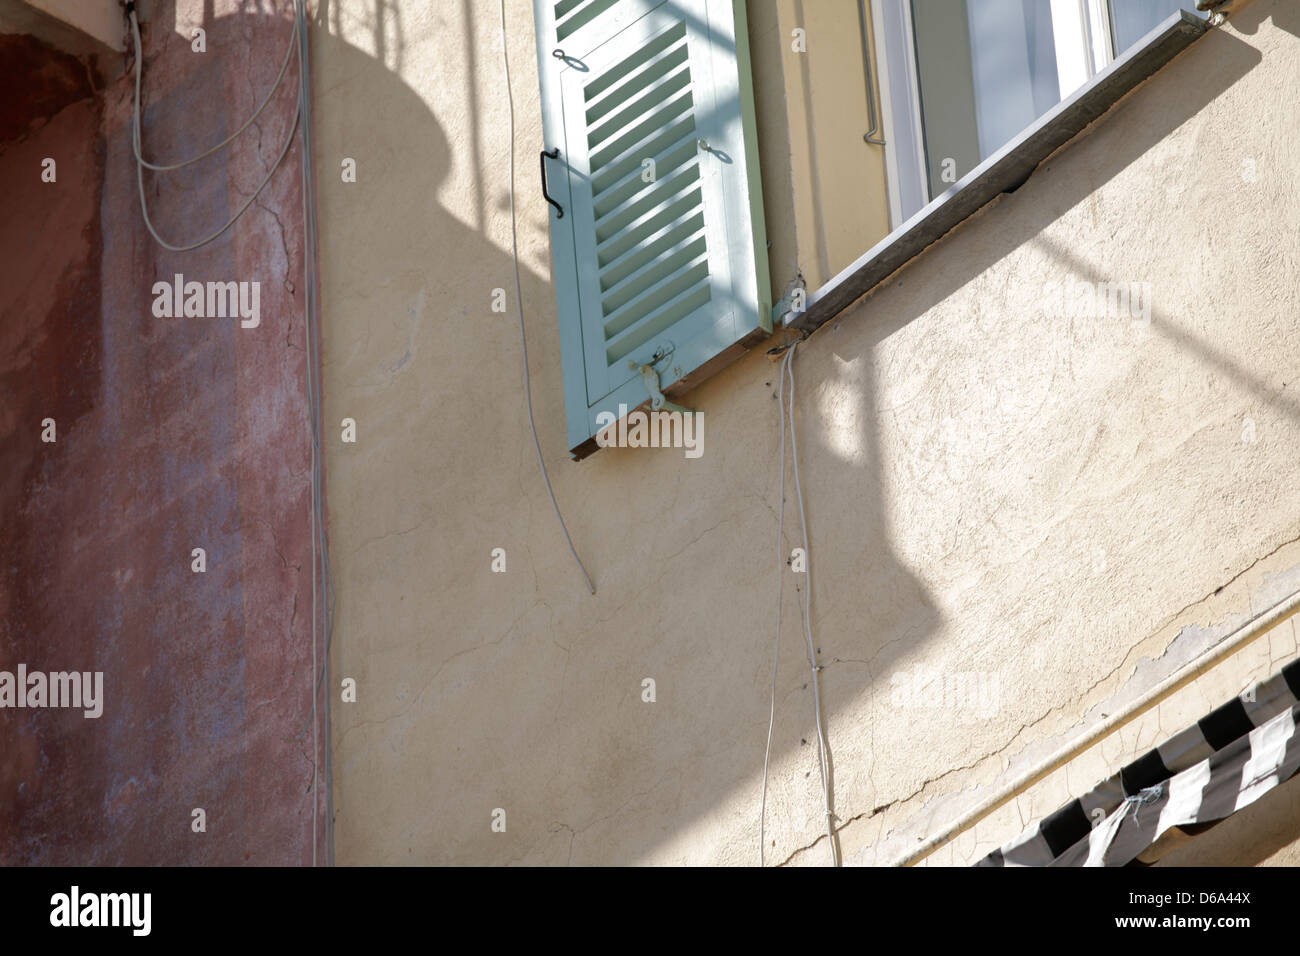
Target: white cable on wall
(141, 163)
(807, 622)
(519, 299)
(320, 546)
(164, 167)
(322, 619)
(787, 371)
(776, 649)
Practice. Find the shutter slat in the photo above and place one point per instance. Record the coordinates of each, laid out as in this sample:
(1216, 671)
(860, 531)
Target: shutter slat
(644, 129)
(664, 66)
(647, 202)
(619, 348)
(679, 257)
(643, 55)
(661, 243)
(600, 98)
(656, 95)
(667, 161)
(681, 131)
(668, 283)
(577, 14)
(643, 230)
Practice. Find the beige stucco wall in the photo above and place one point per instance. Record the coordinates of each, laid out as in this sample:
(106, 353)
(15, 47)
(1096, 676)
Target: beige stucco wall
(989, 490)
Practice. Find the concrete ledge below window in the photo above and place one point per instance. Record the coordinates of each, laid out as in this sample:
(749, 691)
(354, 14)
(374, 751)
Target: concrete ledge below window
(1004, 171)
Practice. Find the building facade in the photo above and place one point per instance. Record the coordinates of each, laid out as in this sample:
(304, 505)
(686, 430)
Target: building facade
(1045, 453)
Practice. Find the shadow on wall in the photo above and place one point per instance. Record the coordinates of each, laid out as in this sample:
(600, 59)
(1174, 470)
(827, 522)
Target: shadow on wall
(418, 357)
(1020, 226)
(1270, 826)
(50, 369)
(172, 434)
(1283, 15)
(1187, 86)
(438, 351)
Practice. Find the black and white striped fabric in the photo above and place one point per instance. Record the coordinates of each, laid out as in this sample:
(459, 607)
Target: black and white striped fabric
(1224, 762)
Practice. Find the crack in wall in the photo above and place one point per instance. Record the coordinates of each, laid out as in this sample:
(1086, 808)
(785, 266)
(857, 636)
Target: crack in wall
(1115, 699)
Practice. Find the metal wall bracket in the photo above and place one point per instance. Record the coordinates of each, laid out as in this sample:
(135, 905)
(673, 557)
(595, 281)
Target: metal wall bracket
(792, 304)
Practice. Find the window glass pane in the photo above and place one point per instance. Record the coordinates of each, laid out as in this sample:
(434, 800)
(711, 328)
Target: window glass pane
(947, 90)
(987, 70)
(1131, 20)
(1015, 67)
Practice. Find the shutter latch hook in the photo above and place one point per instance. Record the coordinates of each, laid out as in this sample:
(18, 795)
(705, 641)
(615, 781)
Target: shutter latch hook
(651, 379)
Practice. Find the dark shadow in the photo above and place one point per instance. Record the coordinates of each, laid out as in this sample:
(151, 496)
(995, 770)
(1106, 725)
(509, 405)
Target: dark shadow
(859, 656)
(1183, 88)
(395, 199)
(51, 361)
(1285, 16)
(200, 671)
(1184, 84)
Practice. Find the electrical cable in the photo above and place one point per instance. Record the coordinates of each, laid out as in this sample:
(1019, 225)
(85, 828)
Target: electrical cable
(308, 267)
(313, 293)
(137, 146)
(315, 405)
(322, 619)
(807, 621)
(523, 338)
(322, 622)
(776, 650)
(787, 371)
(164, 167)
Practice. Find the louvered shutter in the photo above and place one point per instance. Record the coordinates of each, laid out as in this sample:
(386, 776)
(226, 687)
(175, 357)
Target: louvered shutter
(662, 264)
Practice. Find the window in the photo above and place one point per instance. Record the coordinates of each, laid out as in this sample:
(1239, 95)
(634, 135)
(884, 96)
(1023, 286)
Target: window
(964, 77)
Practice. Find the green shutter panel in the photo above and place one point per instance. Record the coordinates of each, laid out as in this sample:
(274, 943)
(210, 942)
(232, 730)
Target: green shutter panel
(661, 262)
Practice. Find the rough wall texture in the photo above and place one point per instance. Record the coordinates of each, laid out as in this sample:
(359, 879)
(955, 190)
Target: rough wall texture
(1069, 507)
(172, 434)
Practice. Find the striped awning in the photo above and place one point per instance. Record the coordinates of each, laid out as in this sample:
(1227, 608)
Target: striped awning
(1224, 762)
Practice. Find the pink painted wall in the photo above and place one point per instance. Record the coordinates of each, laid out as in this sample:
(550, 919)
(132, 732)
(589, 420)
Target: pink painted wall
(172, 434)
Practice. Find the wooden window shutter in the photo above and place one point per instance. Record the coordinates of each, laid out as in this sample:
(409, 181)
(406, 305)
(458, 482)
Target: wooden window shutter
(660, 256)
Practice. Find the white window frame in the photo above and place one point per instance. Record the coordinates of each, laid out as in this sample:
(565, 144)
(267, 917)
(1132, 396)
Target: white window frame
(1100, 41)
(900, 108)
(1076, 56)
(1084, 47)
